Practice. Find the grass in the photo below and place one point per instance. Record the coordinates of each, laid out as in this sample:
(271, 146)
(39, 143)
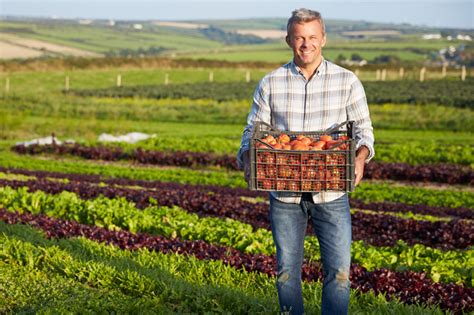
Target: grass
(34, 83)
(184, 284)
(32, 291)
(85, 118)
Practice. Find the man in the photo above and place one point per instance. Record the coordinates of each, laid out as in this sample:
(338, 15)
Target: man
(310, 94)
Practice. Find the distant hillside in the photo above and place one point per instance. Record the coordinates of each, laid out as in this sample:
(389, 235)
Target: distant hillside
(230, 40)
(260, 23)
(332, 26)
(98, 37)
(106, 38)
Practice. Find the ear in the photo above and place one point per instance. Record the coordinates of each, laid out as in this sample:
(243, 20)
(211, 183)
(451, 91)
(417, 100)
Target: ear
(288, 41)
(323, 42)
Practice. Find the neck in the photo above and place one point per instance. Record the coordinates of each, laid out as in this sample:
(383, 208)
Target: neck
(308, 70)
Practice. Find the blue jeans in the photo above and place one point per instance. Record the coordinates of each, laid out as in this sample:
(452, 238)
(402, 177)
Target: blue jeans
(332, 225)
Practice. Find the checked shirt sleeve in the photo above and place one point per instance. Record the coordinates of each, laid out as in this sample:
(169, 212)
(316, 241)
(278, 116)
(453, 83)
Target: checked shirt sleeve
(260, 111)
(358, 110)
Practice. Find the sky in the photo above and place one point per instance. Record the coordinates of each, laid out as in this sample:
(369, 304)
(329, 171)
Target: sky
(435, 13)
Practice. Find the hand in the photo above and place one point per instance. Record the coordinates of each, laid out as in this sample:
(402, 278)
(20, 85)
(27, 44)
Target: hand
(359, 170)
(361, 156)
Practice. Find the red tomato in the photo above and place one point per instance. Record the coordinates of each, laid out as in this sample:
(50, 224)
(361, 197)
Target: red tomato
(281, 185)
(317, 186)
(332, 143)
(284, 171)
(292, 185)
(306, 186)
(319, 145)
(282, 159)
(325, 138)
(283, 138)
(277, 146)
(267, 184)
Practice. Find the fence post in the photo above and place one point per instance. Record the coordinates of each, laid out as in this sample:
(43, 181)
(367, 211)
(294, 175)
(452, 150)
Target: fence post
(422, 74)
(377, 75)
(167, 79)
(247, 76)
(66, 83)
(443, 71)
(401, 73)
(384, 74)
(119, 80)
(356, 72)
(211, 76)
(463, 73)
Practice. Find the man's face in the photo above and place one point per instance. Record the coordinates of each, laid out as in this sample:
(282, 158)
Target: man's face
(306, 40)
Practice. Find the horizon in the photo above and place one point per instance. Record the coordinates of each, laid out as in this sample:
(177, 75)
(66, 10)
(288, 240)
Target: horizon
(423, 13)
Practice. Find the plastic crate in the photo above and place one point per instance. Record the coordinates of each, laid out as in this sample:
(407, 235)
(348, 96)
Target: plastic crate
(302, 170)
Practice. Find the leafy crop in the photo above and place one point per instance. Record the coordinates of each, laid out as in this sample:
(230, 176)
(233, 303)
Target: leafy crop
(442, 92)
(444, 173)
(139, 274)
(414, 195)
(29, 290)
(374, 229)
(414, 152)
(409, 287)
(119, 214)
(370, 202)
(220, 91)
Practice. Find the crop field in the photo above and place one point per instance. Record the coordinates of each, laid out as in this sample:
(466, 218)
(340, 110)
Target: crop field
(167, 225)
(282, 54)
(102, 39)
(236, 41)
(42, 46)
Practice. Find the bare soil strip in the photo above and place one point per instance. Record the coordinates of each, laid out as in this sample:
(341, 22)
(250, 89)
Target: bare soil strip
(10, 51)
(25, 48)
(181, 24)
(270, 34)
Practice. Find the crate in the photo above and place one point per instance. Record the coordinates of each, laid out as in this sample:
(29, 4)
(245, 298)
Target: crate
(302, 170)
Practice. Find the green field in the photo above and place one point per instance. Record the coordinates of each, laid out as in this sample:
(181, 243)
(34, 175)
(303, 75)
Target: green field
(123, 39)
(85, 269)
(102, 39)
(283, 54)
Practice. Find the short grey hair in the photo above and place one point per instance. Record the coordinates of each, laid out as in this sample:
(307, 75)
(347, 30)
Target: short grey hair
(304, 15)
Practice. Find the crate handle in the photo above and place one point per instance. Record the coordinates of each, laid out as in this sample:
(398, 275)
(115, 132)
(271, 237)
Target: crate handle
(267, 125)
(337, 127)
(264, 143)
(336, 146)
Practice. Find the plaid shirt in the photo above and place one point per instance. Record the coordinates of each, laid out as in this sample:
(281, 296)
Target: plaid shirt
(285, 99)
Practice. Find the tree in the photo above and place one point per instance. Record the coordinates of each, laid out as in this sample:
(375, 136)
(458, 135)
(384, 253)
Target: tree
(356, 57)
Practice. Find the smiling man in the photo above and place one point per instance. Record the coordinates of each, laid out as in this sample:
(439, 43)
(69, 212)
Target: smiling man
(311, 94)
(307, 40)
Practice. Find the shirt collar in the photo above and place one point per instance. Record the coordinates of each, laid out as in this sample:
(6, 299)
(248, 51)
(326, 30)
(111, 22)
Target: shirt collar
(319, 71)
